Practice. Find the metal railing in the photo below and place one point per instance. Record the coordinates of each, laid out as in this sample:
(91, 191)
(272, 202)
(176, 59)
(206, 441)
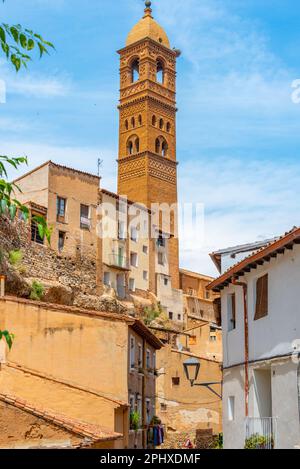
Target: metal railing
(260, 433)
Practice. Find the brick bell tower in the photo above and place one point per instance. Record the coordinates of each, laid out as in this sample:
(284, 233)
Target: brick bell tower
(147, 167)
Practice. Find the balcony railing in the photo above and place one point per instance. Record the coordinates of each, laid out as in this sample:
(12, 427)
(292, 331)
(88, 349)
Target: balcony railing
(260, 433)
(118, 261)
(85, 223)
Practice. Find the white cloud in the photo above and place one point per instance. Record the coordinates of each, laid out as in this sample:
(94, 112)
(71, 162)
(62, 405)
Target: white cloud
(244, 201)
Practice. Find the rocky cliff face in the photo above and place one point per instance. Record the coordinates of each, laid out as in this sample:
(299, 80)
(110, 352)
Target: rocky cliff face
(65, 280)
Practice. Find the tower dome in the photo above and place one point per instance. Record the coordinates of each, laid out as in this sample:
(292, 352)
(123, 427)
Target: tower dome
(148, 27)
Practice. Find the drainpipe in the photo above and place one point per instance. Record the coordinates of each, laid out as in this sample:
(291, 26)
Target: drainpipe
(246, 329)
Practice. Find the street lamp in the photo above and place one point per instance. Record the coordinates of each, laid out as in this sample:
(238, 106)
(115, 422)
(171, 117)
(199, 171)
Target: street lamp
(191, 369)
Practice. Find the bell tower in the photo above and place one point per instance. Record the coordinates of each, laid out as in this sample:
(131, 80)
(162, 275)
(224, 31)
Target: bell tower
(147, 166)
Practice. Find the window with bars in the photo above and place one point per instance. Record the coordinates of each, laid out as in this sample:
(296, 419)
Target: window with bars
(262, 293)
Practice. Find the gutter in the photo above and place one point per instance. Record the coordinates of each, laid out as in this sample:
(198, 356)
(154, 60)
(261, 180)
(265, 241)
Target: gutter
(246, 343)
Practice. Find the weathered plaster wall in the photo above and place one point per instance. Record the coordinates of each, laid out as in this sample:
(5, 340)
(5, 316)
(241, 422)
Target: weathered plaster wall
(187, 408)
(30, 431)
(62, 343)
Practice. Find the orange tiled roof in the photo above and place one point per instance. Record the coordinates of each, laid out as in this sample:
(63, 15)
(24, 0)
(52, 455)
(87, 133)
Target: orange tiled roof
(83, 429)
(261, 256)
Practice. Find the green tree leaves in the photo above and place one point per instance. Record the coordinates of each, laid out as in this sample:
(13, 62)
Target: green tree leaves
(16, 43)
(8, 336)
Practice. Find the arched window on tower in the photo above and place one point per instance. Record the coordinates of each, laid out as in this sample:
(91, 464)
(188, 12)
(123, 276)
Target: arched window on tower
(140, 120)
(133, 122)
(164, 148)
(161, 146)
(135, 70)
(126, 124)
(168, 127)
(154, 121)
(137, 145)
(161, 124)
(160, 72)
(157, 146)
(130, 148)
(133, 145)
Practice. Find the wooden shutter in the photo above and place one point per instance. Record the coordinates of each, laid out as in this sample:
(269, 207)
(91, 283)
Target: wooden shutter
(261, 309)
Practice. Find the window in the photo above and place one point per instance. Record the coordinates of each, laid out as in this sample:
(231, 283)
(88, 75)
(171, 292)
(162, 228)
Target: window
(121, 230)
(61, 240)
(132, 284)
(132, 404)
(154, 121)
(168, 127)
(161, 124)
(140, 407)
(145, 275)
(35, 235)
(132, 353)
(60, 208)
(154, 360)
(133, 234)
(163, 407)
(179, 317)
(166, 281)
(262, 287)
(148, 360)
(164, 149)
(207, 295)
(133, 145)
(148, 411)
(135, 71)
(171, 315)
(140, 120)
(140, 355)
(133, 259)
(231, 312)
(106, 279)
(157, 146)
(201, 313)
(126, 125)
(160, 258)
(213, 338)
(175, 381)
(161, 242)
(85, 217)
(160, 72)
(145, 249)
(231, 409)
(133, 122)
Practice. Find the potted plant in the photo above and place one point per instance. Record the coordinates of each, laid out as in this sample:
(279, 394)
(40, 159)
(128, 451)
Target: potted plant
(135, 419)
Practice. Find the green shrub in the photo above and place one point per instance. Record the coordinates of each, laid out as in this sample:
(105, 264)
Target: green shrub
(257, 441)
(219, 441)
(15, 257)
(135, 420)
(37, 291)
(150, 314)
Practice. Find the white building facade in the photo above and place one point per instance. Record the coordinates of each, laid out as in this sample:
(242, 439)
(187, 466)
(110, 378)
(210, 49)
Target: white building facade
(261, 345)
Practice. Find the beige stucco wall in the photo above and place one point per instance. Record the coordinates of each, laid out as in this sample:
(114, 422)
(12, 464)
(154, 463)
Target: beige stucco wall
(35, 187)
(58, 397)
(73, 347)
(187, 408)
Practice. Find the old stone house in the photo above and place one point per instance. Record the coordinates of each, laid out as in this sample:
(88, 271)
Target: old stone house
(75, 365)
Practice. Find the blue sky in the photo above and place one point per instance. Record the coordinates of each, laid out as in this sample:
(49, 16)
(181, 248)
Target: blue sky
(238, 129)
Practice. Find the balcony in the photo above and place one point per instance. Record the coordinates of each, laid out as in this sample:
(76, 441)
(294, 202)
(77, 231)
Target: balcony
(260, 433)
(118, 262)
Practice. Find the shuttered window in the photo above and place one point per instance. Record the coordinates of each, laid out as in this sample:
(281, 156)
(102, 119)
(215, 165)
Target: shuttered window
(261, 309)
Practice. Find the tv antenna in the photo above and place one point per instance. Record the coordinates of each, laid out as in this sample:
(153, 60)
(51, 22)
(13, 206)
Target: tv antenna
(100, 163)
